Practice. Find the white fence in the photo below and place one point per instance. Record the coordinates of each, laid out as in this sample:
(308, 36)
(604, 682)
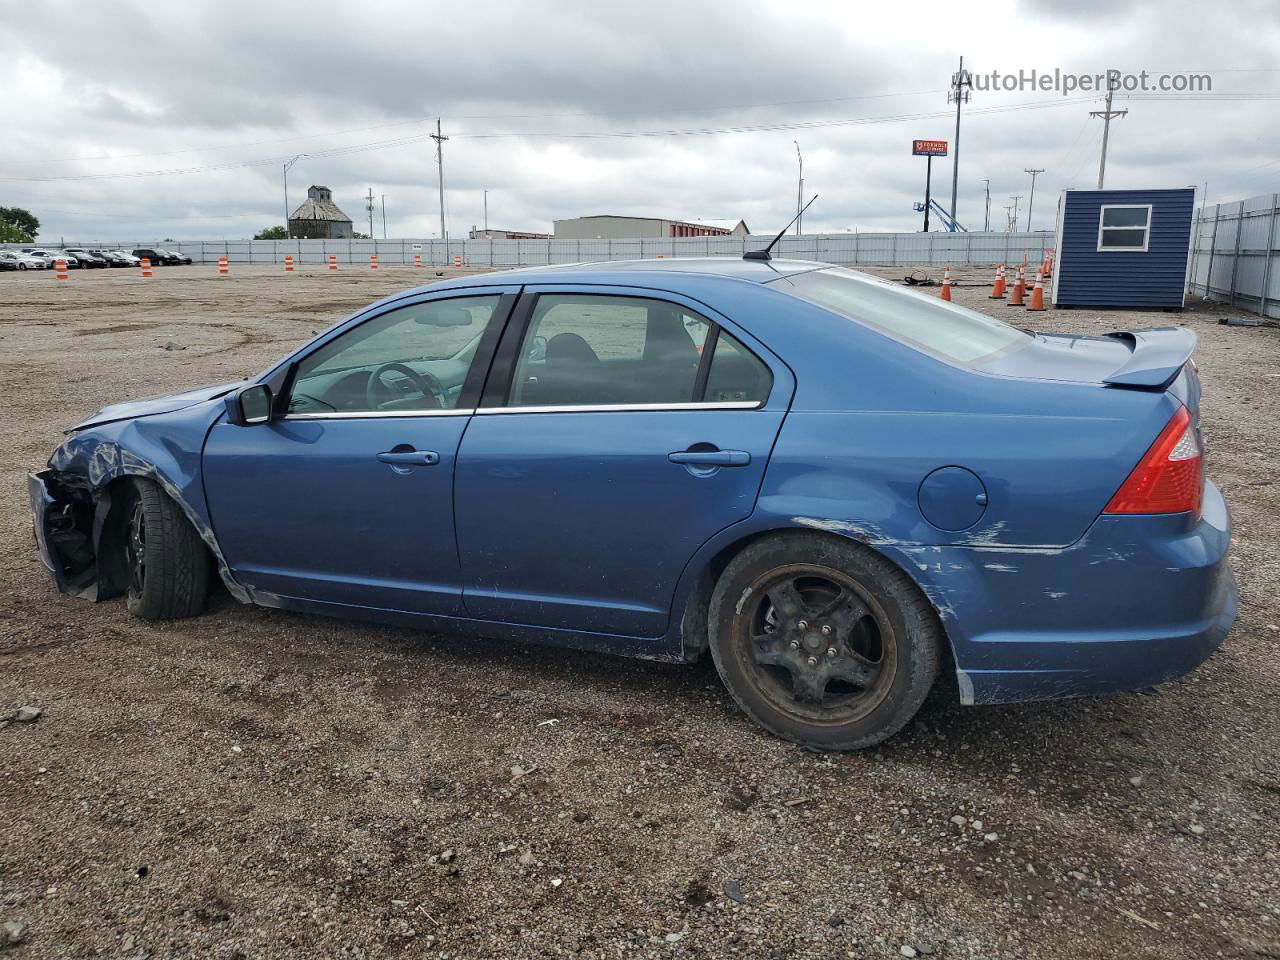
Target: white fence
(850, 249)
(1233, 258)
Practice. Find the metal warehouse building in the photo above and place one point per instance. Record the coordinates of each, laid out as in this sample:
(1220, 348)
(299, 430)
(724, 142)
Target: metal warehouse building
(612, 227)
(1123, 248)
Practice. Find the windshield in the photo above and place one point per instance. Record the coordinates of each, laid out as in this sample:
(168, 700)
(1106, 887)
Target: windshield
(952, 332)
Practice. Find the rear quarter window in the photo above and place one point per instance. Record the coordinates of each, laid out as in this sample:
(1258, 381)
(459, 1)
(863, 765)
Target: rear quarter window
(936, 326)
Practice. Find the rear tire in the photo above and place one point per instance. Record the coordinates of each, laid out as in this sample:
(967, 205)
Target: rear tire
(167, 563)
(822, 641)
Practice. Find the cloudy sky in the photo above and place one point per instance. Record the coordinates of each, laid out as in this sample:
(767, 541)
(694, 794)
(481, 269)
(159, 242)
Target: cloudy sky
(128, 120)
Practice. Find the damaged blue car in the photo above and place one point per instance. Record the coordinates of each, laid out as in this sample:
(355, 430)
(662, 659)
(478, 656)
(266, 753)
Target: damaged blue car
(839, 487)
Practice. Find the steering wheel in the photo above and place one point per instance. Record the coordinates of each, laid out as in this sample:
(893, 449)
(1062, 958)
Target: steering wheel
(430, 388)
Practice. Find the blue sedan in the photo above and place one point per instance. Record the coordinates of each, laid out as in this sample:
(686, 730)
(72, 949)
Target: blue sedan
(840, 487)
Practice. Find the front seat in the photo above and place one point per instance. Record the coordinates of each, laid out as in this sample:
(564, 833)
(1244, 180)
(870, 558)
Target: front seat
(670, 357)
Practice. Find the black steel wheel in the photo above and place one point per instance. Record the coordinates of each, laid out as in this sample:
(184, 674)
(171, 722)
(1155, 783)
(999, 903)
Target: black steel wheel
(822, 641)
(168, 566)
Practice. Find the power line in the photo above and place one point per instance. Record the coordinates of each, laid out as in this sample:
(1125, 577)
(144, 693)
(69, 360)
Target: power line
(688, 108)
(617, 134)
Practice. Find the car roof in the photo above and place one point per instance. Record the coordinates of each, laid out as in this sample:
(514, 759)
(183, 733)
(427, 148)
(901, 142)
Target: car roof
(658, 271)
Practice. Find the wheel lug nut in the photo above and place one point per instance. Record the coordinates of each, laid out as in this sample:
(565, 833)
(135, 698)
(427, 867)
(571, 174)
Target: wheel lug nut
(813, 661)
(831, 651)
(803, 624)
(795, 644)
(826, 629)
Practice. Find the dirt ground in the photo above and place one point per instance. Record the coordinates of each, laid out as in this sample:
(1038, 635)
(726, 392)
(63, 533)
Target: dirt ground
(259, 784)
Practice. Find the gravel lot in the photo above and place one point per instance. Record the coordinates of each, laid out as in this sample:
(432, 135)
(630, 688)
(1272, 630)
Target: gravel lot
(258, 784)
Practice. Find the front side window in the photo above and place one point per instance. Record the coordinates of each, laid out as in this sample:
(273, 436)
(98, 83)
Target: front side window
(950, 331)
(599, 350)
(1124, 227)
(410, 360)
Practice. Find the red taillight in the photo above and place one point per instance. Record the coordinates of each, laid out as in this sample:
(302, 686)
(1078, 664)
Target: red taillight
(1170, 478)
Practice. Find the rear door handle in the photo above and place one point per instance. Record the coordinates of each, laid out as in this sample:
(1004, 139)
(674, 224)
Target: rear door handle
(418, 458)
(711, 458)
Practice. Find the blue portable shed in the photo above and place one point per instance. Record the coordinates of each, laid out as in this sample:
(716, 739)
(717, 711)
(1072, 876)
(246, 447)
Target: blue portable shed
(1123, 248)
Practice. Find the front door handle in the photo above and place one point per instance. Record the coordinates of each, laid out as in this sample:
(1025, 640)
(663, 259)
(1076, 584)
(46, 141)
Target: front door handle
(410, 458)
(711, 458)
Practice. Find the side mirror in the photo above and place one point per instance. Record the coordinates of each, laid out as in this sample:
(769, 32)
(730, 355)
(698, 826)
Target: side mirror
(250, 405)
(537, 350)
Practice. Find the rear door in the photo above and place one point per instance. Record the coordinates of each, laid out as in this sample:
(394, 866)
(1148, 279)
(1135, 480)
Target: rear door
(620, 429)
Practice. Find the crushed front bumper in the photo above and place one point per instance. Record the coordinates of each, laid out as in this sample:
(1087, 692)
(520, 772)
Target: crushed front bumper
(66, 522)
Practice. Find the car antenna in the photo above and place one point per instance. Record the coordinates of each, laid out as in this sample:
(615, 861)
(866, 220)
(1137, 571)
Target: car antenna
(764, 254)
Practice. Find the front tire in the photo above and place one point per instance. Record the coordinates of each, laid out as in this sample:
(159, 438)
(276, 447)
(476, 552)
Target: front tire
(167, 563)
(823, 641)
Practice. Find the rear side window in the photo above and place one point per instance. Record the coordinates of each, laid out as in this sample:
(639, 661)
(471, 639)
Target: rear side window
(938, 327)
(601, 350)
(736, 374)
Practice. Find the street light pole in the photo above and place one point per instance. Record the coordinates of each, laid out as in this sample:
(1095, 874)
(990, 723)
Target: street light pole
(288, 163)
(986, 223)
(799, 190)
(486, 213)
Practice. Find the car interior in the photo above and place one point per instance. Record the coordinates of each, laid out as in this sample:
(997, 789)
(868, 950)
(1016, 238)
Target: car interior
(577, 351)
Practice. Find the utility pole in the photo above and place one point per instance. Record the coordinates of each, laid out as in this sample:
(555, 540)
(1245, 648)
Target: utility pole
(1016, 201)
(1106, 116)
(986, 222)
(799, 190)
(961, 90)
(384, 216)
(440, 138)
(368, 205)
(288, 163)
(486, 213)
(1032, 199)
(1008, 218)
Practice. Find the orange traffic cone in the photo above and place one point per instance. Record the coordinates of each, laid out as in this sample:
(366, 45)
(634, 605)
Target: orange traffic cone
(1037, 295)
(224, 267)
(997, 288)
(417, 259)
(61, 266)
(946, 284)
(288, 264)
(1019, 288)
(373, 261)
(333, 261)
(146, 267)
(457, 261)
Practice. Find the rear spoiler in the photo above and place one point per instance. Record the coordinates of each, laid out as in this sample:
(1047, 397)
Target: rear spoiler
(1157, 356)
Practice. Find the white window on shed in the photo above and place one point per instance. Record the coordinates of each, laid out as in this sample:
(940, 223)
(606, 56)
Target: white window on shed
(1124, 226)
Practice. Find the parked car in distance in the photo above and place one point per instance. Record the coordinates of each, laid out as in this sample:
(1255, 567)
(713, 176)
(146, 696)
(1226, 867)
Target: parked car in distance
(17, 260)
(51, 257)
(118, 258)
(177, 258)
(838, 486)
(88, 258)
(158, 258)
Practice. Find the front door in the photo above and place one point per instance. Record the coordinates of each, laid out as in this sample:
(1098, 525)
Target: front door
(631, 429)
(348, 497)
